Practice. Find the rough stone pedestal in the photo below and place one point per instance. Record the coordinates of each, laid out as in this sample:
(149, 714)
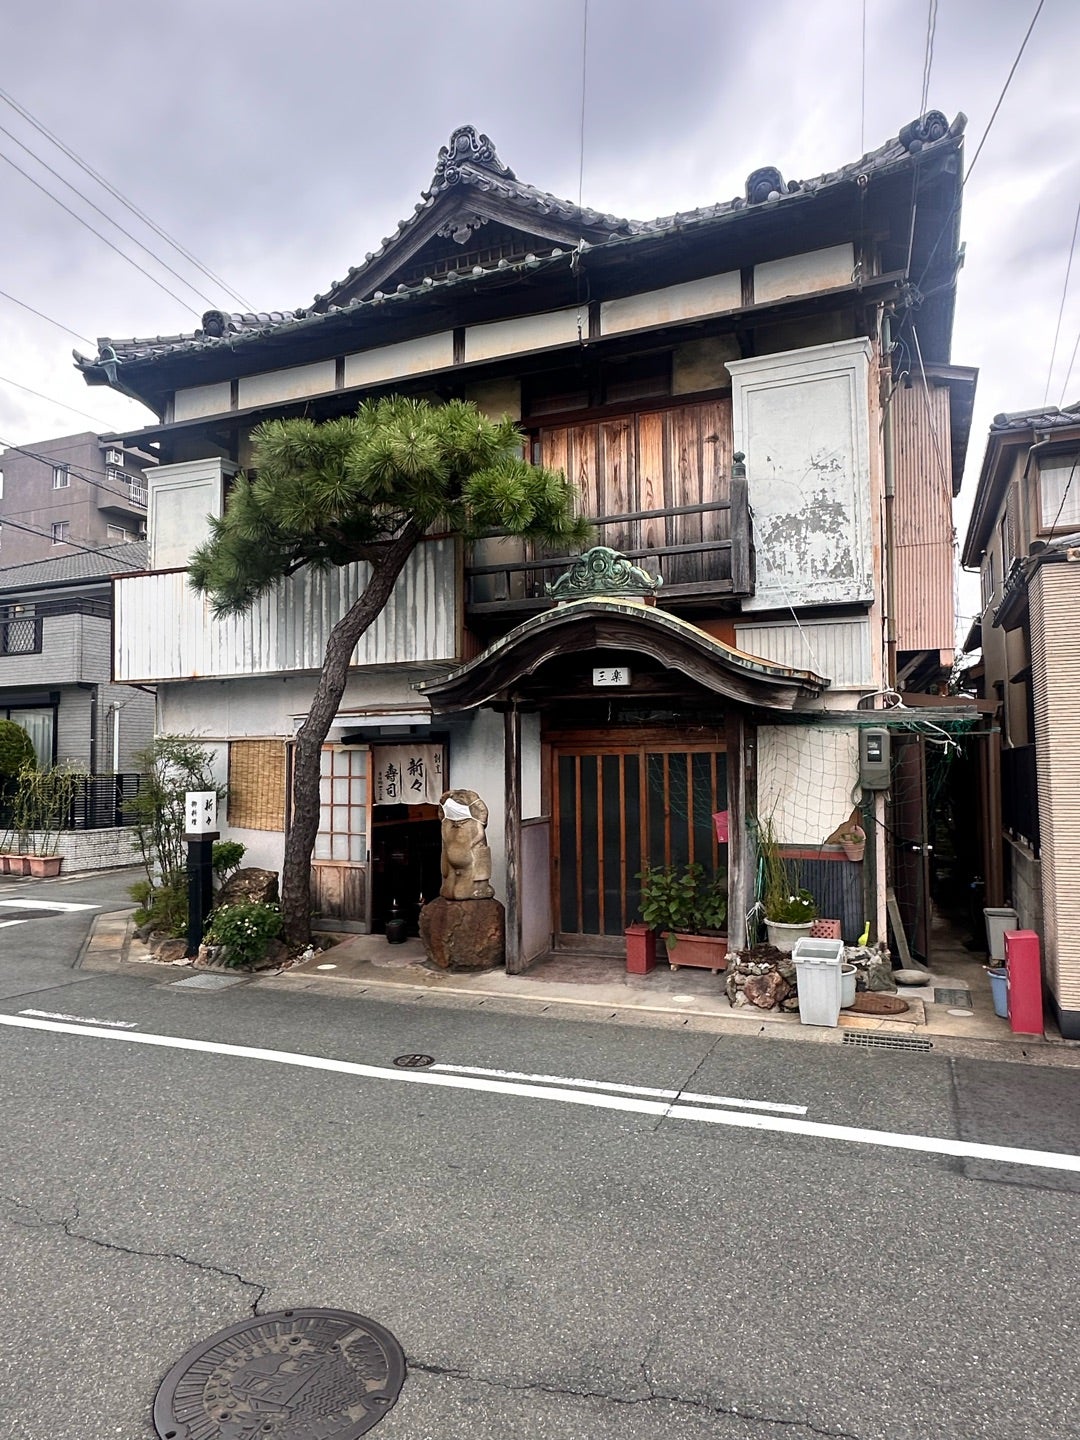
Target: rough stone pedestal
(464, 934)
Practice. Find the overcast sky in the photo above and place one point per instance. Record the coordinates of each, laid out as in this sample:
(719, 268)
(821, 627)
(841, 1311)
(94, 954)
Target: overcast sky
(278, 142)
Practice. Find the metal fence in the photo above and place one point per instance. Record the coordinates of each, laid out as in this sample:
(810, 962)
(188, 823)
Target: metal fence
(101, 802)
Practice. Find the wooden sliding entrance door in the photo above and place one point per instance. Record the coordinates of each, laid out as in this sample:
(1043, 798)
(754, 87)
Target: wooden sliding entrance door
(617, 808)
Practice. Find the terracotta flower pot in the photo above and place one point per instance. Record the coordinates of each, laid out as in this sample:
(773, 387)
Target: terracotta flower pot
(640, 949)
(18, 864)
(44, 866)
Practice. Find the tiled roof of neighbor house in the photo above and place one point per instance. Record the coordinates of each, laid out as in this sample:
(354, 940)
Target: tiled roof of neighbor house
(78, 565)
(470, 160)
(1045, 418)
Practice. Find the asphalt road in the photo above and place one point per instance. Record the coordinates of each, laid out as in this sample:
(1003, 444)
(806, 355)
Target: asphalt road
(551, 1265)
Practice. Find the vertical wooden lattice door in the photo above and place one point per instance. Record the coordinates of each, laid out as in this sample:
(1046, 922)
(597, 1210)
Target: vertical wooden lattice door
(618, 809)
(339, 865)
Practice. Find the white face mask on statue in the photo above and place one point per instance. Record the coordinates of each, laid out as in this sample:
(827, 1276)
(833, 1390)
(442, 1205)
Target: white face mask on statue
(454, 810)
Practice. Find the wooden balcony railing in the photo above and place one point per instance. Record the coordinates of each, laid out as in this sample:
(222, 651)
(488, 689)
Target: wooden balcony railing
(699, 550)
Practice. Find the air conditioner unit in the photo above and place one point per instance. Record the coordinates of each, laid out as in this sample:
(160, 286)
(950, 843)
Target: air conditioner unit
(114, 457)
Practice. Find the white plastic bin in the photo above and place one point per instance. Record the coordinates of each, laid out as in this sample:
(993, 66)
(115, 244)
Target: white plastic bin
(817, 968)
(998, 920)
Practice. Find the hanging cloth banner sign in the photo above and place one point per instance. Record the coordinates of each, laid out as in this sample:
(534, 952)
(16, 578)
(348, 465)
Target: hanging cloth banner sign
(408, 774)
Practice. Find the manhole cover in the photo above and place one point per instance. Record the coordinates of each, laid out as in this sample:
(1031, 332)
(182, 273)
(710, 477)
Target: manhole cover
(209, 982)
(873, 1002)
(414, 1062)
(293, 1375)
(947, 996)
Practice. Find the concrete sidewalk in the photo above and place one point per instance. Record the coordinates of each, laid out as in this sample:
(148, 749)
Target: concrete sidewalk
(594, 988)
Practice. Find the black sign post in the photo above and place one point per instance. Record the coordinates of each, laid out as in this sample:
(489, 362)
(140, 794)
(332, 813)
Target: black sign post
(201, 831)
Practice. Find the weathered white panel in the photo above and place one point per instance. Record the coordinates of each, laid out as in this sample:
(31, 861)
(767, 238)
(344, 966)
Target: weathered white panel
(180, 498)
(802, 419)
(838, 649)
(803, 274)
(525, 332)
(806, 777)
(712, 296)
(410, 357)
(202, 400)
(165, 631)
(291, 384)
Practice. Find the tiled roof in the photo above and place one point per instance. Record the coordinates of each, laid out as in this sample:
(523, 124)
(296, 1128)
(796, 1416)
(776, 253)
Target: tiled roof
(1045, 418)
(77, 565)
(470, 160)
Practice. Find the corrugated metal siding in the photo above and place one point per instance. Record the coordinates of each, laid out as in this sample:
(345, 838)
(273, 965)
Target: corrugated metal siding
(1054, 598)
(922, 519)
(164, 631)
(837, 649)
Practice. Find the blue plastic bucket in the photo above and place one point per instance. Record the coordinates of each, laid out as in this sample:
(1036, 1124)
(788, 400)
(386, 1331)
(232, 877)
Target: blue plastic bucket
(999, 986)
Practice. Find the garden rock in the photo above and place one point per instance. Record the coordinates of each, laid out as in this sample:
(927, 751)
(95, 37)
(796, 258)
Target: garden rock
(464, 934)
(251, 885)
(766, 991)
(169, 951)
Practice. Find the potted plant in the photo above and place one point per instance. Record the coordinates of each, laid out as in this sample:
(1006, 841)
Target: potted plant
(51, 796)
(688, 905)
(22, 820)
(790, 909)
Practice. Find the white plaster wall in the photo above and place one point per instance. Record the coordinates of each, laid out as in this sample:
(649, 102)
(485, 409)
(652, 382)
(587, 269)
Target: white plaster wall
(179, 499)
(526, 332)
(289, 384)
(802, 420)
(712, 296)
(476, 763)
(803, 274)
(807, 779)
(392, 362)
(202, 400)
(530, 767)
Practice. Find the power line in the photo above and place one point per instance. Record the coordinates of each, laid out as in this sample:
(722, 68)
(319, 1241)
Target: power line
(1068, 372)
(79, 473)
(49, 318)
(76, 216)
(1061, 307)
(53, 401)
(118, 195)
(928, 59)
(985, 135)
(581, 137)
(106, 216)
(45, 535)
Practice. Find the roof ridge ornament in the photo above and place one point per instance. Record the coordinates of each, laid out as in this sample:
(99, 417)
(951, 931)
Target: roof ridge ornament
(603, 571)
(467, 146)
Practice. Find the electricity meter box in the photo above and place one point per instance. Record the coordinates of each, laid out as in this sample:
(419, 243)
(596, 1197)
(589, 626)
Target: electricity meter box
(875, 754)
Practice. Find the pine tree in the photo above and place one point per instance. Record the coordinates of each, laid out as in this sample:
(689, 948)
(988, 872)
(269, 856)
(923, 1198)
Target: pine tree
(367, 488)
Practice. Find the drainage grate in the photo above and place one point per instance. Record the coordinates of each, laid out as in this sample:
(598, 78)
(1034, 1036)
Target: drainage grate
(946, 996)
(888, 1042)
(209, 982)
(414, 1062)
(293, 1375)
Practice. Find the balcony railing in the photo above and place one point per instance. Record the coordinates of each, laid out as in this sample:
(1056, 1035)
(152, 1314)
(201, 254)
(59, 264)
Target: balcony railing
(1020, 795)
(699, 550)
(137, 492)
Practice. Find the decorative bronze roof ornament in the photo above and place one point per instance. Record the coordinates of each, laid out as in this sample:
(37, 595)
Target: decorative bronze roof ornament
(603, 571)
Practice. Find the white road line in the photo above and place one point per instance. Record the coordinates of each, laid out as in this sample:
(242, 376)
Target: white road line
(7, 924)
(780, 1124)
(621, 1089)
(63, 905)
(82, 1019)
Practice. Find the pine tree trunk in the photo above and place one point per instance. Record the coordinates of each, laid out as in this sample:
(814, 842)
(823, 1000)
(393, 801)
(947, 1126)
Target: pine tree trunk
(304, 826)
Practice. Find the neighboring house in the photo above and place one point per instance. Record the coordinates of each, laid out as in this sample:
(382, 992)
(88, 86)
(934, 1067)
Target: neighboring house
(1024, 538)
(55, 661)
(77, 490)
(804, 326)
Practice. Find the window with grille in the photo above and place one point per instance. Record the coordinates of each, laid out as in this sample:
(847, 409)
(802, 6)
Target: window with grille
(257, 784)
(20, 631)
(343, 798)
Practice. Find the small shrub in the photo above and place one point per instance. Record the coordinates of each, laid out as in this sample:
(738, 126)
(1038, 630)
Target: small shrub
(16, 750)
(225, 857)
(244, 931)
(162, 907)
